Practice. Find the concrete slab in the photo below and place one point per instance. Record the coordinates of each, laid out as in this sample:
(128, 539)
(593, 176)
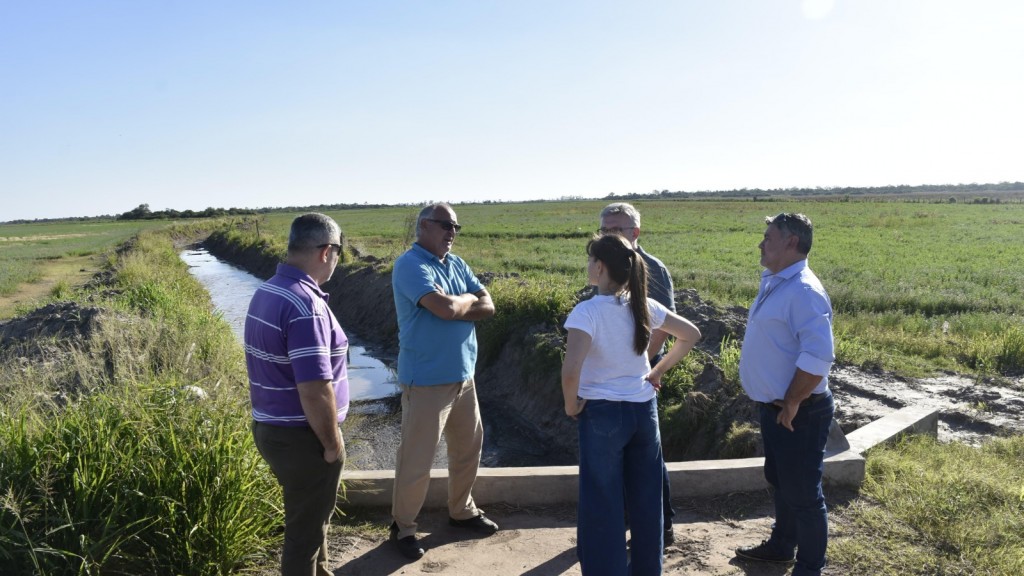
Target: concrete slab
(545, 485)
(909, 420)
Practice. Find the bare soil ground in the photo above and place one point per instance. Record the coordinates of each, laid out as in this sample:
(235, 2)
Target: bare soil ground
(542, 542)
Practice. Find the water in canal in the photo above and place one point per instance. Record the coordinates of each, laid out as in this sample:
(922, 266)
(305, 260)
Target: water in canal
(231, 289)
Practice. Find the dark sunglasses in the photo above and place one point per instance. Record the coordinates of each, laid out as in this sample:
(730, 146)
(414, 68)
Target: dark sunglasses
(338, 246)
(447, 225)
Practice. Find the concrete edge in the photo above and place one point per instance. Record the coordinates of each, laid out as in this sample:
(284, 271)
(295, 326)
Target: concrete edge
(548, 485)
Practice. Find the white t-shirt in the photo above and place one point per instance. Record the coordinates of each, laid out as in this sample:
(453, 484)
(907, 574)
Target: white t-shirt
(612, 369)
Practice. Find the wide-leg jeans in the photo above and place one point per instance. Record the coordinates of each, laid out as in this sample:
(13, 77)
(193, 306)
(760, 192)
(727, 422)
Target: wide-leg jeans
(793, 465)
(621, 467)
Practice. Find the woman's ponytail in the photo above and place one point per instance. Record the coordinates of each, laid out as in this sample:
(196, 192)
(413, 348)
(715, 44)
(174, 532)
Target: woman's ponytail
(638, 303)
(626, 268)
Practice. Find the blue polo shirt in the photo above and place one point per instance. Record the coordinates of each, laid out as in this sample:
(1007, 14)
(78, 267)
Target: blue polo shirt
(432, 351)
(291, 336)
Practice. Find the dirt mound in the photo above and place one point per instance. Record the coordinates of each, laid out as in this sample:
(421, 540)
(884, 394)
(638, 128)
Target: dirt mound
(716, 324)
(64, 320)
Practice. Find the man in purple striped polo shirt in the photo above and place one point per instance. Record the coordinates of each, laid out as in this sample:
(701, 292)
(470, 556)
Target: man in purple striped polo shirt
(295, 354)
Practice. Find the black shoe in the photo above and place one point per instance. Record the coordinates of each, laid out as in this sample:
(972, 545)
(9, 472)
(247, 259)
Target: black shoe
(764, 552)
(479, 523)
(407, 546)
(669, 537)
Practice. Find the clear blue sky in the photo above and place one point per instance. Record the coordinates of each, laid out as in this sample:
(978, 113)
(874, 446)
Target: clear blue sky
(188, 104)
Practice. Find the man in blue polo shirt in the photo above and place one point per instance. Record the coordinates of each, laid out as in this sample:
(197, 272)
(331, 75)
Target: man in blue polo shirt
(784, 365)
(298, 385)
(437, 300)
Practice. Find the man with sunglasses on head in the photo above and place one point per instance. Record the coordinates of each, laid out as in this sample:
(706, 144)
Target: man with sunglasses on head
(437, 301)
(784, 364)
(624, 219)
(295, 355)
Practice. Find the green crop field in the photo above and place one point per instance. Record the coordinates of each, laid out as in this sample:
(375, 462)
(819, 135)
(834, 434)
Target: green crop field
(31, 253)
(916, 286)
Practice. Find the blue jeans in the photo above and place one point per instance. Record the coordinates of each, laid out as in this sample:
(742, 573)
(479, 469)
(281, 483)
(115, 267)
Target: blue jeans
(793, 465)
(620, 468)
(666, 496)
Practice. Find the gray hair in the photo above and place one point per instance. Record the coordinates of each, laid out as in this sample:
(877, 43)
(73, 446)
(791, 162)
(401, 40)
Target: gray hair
(312, 230)
(796, 225)
(622, 208)
(428, 212)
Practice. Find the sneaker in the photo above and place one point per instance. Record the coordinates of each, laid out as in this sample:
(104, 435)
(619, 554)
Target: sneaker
(764, 552)
(407, 546)
(479, 523)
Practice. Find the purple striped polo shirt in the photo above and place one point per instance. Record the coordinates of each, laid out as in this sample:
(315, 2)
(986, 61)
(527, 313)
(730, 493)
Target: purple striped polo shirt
(292, 336)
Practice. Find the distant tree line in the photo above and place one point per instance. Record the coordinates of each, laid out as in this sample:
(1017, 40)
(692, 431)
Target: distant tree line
(143, 212)
(970, 193)
(901, 189)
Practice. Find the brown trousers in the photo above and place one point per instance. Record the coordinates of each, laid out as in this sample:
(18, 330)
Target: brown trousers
(427, 412)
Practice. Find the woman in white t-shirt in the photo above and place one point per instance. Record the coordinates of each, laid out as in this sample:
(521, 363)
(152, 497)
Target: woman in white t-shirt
(609, 386)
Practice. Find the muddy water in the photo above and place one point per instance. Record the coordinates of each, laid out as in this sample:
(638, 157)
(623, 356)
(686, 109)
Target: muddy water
(231, 289)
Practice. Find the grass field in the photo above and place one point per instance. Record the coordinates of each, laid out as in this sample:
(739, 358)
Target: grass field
(36, 259)
(917, 287)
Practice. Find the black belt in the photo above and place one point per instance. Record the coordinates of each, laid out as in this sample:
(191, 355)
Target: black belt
(806, 402)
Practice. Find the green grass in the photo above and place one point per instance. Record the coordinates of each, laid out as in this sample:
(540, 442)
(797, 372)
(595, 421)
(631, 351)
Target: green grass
(108, 465)
(23, 245)
(896, 271)
(929, 508)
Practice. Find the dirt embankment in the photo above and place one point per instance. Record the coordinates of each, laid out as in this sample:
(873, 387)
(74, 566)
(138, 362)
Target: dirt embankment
(519, 388)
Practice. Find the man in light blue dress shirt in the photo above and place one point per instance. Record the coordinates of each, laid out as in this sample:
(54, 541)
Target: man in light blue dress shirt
(784, 364)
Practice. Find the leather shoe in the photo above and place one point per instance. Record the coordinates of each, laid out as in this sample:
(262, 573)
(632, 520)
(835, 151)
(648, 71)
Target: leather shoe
(407, 546)
(479, 523)
(764, 552)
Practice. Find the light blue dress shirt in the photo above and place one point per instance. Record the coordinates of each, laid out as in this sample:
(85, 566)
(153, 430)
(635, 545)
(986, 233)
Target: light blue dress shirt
(789, 326)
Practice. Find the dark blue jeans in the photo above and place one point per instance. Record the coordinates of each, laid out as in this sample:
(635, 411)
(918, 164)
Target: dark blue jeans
(621, 467)
(666, 495)
(793, 465)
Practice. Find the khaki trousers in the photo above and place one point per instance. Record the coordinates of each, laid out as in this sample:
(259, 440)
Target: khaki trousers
(427, 412)
(310, 486)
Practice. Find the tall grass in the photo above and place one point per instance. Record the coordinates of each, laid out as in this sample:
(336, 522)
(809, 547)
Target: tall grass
(110, 463)
(937, 509)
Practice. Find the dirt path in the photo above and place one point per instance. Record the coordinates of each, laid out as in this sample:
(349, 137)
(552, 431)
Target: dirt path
(542, 542)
